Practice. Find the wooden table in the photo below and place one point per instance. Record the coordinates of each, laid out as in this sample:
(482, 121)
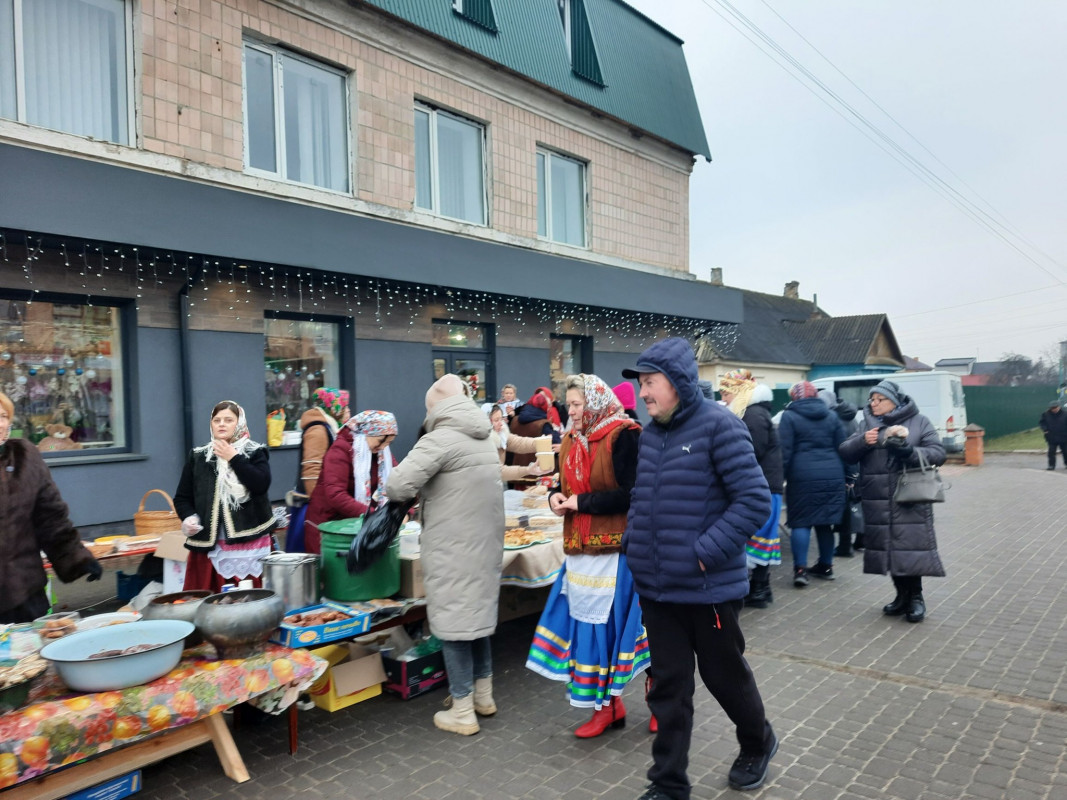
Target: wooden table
(66, 741)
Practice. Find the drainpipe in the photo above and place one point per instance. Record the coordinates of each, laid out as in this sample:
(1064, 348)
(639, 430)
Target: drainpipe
(185, 357)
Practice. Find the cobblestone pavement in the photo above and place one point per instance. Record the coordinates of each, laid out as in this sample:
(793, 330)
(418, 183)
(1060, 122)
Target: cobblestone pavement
(972, 703)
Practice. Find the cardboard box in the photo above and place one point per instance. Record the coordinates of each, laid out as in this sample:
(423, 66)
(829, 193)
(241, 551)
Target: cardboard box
(411, 577)
(295, 636)
(114, 789)
(418, 676)
(355, 674)
(172, 545)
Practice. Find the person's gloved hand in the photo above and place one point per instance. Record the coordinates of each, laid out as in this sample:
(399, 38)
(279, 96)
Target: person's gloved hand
(899, 448)
(191, 525)
(93, 570)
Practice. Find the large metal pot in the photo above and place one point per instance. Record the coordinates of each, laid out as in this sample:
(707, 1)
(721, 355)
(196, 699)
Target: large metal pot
(294, 576)
(165, 607)
(239, 623)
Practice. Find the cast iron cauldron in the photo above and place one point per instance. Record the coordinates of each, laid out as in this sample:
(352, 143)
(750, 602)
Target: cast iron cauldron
(164, 607)
(238, 623)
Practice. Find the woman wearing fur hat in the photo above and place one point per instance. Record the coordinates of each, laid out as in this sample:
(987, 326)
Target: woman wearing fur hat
(33, 517)
(222, 500)
(354, 473)
(815, 479)
(899, 538)
(752, 403)
(454, 468)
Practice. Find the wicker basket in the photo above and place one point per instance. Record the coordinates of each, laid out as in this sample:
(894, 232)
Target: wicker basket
(156, 522)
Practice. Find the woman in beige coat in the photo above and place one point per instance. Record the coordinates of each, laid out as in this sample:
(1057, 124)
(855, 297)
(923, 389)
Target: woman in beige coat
(455, 469)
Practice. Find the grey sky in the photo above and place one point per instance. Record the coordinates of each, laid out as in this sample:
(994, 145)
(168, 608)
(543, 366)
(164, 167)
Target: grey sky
(796, 193)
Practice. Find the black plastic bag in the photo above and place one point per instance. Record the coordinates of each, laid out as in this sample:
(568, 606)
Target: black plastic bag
(379, 529)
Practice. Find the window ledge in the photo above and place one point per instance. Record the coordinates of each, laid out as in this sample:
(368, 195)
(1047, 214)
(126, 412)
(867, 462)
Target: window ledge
(103, 458)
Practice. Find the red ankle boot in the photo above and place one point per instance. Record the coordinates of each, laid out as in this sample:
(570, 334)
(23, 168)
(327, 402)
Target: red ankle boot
(653, 726)
(613, 715)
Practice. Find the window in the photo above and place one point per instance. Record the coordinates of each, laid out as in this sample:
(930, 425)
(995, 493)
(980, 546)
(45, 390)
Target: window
(299, 356)
(463, 349)
(296, 125)
(61, 365)
(449, 171)
(568, 355)
(560, 198)
(578, 39)
(480, 12)
(64, 66)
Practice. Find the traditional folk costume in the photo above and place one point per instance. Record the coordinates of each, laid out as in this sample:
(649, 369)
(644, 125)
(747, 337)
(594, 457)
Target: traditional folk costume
(225, 505)
(590, 633)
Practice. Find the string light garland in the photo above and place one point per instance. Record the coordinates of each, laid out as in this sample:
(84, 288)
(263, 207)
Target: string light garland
(399, 306)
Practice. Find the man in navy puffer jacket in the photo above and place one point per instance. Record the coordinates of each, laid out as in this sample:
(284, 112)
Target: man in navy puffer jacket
(699, 495)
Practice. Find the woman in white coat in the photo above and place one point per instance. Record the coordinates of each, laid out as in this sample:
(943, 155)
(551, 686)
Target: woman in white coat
(455, 468)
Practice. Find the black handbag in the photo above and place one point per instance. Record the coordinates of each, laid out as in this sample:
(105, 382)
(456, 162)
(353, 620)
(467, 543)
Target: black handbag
(380, 527)
(920, 484)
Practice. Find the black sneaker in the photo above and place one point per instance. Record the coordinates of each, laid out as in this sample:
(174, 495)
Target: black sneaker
(824, 571)
(800, 576)
(750, 771)
(653, 792)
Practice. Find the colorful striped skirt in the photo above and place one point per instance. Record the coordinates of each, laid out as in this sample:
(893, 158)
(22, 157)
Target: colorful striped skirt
(764, 547)
(596, 660)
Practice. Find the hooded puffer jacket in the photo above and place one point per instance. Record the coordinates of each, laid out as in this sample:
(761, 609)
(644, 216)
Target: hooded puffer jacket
(814, 474)
(454, 466)
(698, 496)
(899, 538)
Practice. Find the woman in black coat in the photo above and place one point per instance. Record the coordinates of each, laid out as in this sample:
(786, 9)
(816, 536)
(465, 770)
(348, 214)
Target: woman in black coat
(815, 479)
(900, 538)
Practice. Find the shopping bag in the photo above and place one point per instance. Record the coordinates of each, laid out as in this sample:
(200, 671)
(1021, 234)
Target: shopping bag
(275, 427)
(379, 529)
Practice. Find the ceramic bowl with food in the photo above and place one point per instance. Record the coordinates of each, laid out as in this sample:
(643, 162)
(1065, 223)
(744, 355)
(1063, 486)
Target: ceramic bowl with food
(118, 656)
(239, 623)
(106, 620)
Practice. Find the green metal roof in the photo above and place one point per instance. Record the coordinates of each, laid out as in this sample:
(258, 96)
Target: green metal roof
(645, 76)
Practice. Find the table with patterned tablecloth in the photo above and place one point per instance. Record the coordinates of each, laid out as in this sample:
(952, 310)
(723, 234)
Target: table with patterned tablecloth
(180, 710)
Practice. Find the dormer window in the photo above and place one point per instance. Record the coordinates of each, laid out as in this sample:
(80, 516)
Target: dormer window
(480, 12)
(578, 39)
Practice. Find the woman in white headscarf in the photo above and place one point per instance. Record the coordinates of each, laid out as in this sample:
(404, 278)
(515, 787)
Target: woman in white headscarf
(222, 500)
(354, 473)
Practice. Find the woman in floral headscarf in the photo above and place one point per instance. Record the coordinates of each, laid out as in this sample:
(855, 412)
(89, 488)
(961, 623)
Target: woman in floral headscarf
(222, 500)
(752, 402)
(590, 633)
(353, 475)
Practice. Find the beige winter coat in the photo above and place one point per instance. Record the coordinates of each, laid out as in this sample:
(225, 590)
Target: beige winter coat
(455, 469)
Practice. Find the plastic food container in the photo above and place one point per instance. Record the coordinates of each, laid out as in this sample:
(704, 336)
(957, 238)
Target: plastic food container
(55, 626)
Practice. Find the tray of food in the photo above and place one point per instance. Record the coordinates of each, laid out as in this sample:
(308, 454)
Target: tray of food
(520, 538)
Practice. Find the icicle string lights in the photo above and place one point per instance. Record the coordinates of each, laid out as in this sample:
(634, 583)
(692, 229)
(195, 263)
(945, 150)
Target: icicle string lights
(395, 305)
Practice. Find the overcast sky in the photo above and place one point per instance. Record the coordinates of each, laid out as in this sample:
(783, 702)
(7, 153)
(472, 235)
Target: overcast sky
(794, 192)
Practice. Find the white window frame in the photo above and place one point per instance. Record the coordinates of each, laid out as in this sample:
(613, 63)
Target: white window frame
(20, 73)
(457, 6)
(584, 165)
(279, 125)
(435, 178)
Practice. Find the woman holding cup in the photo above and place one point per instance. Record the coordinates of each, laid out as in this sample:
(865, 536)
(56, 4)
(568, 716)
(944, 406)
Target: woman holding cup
(590, 634)
(507, 442)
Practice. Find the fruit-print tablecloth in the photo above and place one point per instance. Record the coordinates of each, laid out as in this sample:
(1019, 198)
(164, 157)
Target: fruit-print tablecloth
(60, 728)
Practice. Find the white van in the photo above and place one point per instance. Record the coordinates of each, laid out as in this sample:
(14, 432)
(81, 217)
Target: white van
(939, 396)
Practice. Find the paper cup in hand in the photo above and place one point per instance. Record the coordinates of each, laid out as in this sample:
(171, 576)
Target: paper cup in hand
(546, 461)
(544, 444)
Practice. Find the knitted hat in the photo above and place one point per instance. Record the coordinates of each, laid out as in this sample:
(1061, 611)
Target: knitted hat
(625, 392)
(1052, 404)
(738, 383)
(447, 386)
(888, 390)
(803, 390)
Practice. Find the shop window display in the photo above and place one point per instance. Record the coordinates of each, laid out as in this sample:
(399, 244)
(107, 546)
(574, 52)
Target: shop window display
(61, 365)
(300, 356)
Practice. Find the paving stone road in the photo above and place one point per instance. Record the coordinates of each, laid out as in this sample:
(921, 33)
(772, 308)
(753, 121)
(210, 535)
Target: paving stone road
(972, 703)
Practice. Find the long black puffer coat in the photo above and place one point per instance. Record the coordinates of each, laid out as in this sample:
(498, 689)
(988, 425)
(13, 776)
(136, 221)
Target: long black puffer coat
(815, 477)
(899, 538)
(765, 442)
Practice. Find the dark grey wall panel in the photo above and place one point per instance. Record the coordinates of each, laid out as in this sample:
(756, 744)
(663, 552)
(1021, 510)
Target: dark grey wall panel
(109, 492)
(394, 377)
(67, 196)
(526, 367)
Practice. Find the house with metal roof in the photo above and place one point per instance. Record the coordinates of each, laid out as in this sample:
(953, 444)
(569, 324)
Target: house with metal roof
(253, 201)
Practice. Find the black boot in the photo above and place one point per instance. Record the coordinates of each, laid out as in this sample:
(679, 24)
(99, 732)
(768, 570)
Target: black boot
(759, 588)
(916, 608)
(900, 605)
(858, 544)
